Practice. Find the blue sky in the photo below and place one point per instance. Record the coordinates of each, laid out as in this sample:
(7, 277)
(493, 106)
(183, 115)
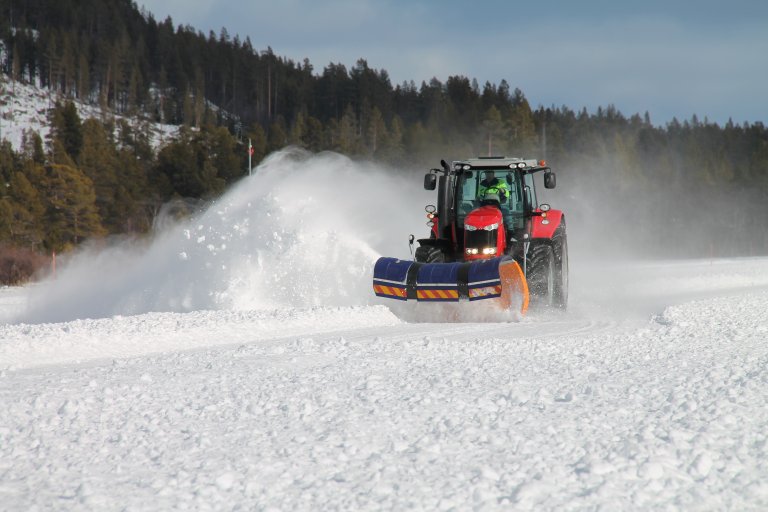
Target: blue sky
(670, 58)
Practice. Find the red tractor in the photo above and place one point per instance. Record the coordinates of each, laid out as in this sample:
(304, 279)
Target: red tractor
(490, 239)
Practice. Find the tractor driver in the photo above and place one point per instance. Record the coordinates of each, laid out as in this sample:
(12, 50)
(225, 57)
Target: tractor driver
(496, 190)
(490, 184)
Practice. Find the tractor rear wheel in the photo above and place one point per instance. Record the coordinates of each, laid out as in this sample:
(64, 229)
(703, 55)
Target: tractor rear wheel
(560, 245)
(542, 276)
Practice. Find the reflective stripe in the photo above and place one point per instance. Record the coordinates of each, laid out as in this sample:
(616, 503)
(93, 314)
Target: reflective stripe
(376, 280)
(485, 292)
(480, 283)
(439, 285)
(494, 188)
(389, 291)
(437, 294)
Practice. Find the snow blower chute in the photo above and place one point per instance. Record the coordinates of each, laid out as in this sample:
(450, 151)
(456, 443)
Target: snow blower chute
(490, 240)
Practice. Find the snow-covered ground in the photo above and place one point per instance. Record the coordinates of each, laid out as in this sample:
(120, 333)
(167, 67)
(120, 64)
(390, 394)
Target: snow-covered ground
(185, 376)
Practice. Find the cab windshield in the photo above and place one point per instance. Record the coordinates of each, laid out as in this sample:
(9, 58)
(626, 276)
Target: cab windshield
(471, 184)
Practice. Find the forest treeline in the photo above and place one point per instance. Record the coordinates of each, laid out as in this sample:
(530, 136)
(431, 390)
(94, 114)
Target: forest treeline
(690, 179)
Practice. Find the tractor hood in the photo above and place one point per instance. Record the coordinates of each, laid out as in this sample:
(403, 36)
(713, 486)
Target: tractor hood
(483, 233)
(483, 218)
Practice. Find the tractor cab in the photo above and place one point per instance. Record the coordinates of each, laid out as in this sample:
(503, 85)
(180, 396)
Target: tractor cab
(488, 199)
(485, 206)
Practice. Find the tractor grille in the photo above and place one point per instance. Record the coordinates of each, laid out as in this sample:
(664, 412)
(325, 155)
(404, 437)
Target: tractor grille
(480, 239)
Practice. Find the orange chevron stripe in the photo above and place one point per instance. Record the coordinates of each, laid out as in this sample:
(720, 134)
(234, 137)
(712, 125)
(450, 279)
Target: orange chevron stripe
(437, 294)
(389, 290)
(450, 294)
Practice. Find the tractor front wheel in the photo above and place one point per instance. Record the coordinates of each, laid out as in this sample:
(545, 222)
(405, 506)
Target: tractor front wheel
(428, 254)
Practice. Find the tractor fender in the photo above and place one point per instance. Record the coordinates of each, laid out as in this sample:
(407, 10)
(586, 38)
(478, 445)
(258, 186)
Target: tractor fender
(545, 227)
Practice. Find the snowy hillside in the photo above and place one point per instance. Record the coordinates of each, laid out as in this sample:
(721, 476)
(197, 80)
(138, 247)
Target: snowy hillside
(25, 107)
(240, 362)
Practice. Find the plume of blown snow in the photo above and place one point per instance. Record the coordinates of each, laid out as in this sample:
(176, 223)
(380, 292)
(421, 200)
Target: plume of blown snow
(303, 231)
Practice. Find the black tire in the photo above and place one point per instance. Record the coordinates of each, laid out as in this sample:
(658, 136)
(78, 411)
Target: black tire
(541, 276)
(427, 254)
(560, 244)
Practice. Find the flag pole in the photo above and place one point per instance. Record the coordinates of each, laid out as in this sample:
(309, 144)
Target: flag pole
(250, 154)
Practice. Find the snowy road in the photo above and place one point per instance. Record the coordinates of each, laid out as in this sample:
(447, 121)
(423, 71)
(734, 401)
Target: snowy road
(651, 394)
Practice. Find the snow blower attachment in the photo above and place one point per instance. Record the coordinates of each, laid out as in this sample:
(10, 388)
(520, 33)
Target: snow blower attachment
(490, 240)
(499, 279)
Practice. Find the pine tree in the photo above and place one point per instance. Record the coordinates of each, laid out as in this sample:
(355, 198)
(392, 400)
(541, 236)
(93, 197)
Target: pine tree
(83, 78)
(188, 109)
(16, 64)
(376, 133)
(98, 161)
(520, 125)
(71, 214)
(347, 141)
(495, 133)
(68, 68)
(278, 138)
(27, 212)
(66, 128)
(6, 221)
(225, 156)
(187, 167)
(314, 137)
(393, 151)
(52, 60)
(298, 131)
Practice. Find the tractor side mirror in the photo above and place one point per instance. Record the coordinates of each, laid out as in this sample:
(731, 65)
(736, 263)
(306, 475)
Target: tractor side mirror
(430, 181)
(549, 180)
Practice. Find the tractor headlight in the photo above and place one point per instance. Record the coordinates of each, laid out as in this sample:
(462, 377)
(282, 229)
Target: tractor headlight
(472, 250)
(489, 250)
(491, 227)
(470, 228)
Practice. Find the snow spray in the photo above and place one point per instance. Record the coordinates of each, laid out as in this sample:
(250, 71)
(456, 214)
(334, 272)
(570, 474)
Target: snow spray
(303, 231)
